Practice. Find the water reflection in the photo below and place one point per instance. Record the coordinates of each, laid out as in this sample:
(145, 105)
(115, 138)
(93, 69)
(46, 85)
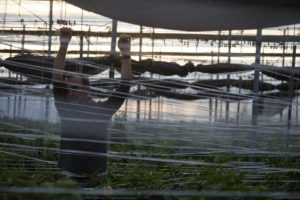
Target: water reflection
(33, 107)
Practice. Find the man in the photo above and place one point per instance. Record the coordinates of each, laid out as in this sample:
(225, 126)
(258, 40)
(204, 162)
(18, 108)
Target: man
(83, 121)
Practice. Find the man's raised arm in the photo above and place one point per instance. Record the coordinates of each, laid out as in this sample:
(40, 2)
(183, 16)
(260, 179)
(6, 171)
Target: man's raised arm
(117, 97)
(124, 46)
(60, 60)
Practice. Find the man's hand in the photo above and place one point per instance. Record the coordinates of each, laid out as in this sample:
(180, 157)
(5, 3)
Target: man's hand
(65, 36)
(124, 44)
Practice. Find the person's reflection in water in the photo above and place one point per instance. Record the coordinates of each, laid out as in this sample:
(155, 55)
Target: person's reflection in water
(83, 121)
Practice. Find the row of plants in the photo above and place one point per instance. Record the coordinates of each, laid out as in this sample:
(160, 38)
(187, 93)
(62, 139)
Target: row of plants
(152, 163)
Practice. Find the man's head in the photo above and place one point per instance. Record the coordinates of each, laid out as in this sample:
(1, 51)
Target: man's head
(77, 89)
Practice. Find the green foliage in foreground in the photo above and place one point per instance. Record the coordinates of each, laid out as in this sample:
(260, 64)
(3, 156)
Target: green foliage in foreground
(225, 173)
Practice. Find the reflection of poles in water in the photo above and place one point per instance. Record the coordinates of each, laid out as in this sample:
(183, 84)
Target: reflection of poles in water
(239, 103)
(15, 104)
(161, 108)
(158, 107)
(126, 107)
(210, 109)
(216, 108)
(19, 106)
(296, 107)
(145, 109)
(46, 123)
(150, 109)
(24, 106)
(221, 109)
(227, 110)
(138, 103)
(291, 94)
(255, 89)
(8, 105)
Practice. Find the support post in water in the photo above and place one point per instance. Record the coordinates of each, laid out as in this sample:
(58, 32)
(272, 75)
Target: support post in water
(256, 87)
(291, 95)
(217, 77)
(228, 76)
(138, 112)
(152, 57)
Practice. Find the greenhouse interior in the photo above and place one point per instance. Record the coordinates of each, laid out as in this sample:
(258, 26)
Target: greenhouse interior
(149, 99)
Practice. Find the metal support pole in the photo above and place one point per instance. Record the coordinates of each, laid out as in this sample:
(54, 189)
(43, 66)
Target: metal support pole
(229, 46)
(228, 75)
(141, 43)
(139, 86)
(23, 40)
(81, 41)
(81, 51)
(283, 64)
(216, 99)
(257, 61)
(219, 47)
(4, 15)
(291, 85)
(23, 47)
(89, 42)
(291, 95)
(113, 46)
(50, 27)
(81, 46)
(9, 72)
(283, 48)
(152, 56)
